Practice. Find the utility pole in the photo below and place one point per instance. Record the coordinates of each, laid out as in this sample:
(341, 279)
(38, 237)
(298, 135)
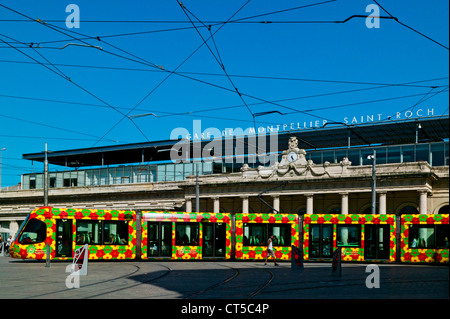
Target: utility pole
(45, 176)
(197, 190)
(374, 180)
(1, 165)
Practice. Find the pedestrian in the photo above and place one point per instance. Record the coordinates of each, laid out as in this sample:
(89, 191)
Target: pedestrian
(270, 251)
(8, 244)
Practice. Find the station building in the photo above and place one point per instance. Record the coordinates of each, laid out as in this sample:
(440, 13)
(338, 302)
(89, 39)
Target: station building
(325, 169)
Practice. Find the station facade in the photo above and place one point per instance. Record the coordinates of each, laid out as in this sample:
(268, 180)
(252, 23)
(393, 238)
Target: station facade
(317, 170)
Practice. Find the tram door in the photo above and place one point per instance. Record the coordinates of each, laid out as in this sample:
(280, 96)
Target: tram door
(159, 239)
(64, 237)
(320, 240)
(377, 244)
(214, 239)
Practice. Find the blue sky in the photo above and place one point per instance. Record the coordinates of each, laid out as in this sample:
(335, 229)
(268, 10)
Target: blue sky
(317, 70)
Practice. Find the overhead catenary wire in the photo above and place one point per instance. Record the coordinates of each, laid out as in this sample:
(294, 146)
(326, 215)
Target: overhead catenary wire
(347, 82)
(218, 58)
(62, 75)
(299, 111)
(51, 126)
(250, 76)
(411, 28)
(171, 72)
(196, 113)
(202, 81)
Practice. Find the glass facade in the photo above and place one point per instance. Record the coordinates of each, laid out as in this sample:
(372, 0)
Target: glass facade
(437, 154)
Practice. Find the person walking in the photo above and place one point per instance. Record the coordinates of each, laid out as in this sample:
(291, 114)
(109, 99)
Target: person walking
(8, 244)
(270, 251)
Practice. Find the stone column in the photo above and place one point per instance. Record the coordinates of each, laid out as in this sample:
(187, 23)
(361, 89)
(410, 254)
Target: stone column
(244, 204)
(382, 203)
(309, 203)
(216, 204)
(276, 202)
(423, 198)
(188, 205)
(344, 203)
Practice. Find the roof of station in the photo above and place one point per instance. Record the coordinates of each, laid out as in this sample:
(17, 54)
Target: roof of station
(332, 135)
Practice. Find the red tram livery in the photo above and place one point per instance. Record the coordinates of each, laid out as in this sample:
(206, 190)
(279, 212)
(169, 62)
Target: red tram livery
(155, 235)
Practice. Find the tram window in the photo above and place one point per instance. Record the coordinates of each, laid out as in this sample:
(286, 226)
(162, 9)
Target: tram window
(89, 232)
(421, 236)
(35, 232)
(281, 235)
(255, 235)
(186, 234)
(442, 234)
(349, 235)
(115, 232)
(428, 236)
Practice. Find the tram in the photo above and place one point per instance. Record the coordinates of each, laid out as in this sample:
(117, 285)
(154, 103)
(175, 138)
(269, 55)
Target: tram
(159, 235)
(417, 238)
(180, 235)
(110, 234)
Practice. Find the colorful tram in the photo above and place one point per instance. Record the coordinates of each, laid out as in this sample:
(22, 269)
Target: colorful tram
(158, 235)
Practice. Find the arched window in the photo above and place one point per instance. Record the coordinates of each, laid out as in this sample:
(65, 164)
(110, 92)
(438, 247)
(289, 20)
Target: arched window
(409, 210)
(302, 211)
(335, 210)
(444, 210)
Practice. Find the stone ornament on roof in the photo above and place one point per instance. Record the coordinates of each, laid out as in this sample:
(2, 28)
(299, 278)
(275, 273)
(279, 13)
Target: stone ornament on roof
(294, 164)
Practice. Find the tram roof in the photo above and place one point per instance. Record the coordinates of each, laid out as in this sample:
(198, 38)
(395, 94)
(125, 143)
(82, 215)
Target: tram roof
(332, 135)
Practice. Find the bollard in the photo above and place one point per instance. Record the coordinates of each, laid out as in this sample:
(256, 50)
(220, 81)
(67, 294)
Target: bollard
(47, 257)
(296, 259)
(336, 267)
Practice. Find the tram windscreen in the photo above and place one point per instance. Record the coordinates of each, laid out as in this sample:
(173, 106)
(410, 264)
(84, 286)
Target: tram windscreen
(34, 232)
(21, 227)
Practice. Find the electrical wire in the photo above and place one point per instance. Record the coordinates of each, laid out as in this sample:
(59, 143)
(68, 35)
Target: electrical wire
(262, 77)
(411, 28)
(217, 58)
(201, 81)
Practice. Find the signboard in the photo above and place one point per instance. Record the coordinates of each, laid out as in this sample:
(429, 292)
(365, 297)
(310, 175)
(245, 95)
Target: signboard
(80, 261)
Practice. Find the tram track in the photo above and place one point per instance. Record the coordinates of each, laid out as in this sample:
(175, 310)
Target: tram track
(257, 291)
(137, 269)
(235, 277)
(147, 281)
(209, 288)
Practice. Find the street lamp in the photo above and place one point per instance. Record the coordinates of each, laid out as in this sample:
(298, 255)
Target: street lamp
(374, 179)
(1, 166)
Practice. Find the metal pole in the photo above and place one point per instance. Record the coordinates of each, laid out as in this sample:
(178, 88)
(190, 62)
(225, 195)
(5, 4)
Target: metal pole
(374, 182)
(45, 176)
(1, 166)
(197, 190)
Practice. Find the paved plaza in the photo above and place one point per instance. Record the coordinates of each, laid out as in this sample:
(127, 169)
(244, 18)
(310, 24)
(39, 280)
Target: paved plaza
(21, 279)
